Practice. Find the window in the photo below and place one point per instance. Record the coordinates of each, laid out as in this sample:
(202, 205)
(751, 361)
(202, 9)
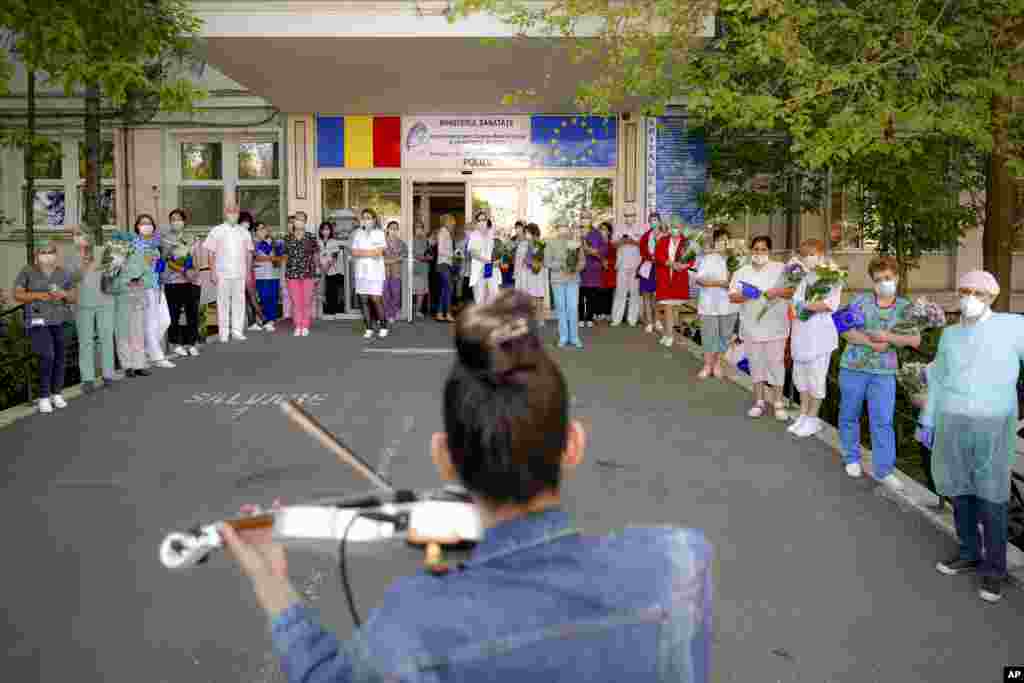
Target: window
(216, 171)
(556, 201)
(106, 159)
(50, 200)
(851, 208)
(108, 205)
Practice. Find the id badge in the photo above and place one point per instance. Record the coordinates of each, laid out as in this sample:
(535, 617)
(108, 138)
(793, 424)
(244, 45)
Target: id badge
(38, 322)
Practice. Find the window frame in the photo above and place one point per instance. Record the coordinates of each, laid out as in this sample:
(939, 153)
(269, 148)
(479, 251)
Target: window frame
(70, 183)
(840, 215)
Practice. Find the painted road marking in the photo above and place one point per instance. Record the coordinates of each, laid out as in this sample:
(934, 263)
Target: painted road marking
(410, 352)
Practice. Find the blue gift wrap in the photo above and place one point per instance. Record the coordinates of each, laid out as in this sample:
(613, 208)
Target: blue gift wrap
(848, 318)
(750, 291)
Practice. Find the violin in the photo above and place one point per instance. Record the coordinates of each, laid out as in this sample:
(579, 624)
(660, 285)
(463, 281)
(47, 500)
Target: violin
(438, 519)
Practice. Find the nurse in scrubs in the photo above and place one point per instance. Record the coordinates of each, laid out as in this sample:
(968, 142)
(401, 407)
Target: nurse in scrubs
(970, 424)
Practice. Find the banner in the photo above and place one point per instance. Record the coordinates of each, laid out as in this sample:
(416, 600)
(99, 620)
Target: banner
(509, 142)
(676, 169)
(466, 142)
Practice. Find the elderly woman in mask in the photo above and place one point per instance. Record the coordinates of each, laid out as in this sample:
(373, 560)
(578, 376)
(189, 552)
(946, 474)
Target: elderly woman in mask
(969, 422)
(94, 316)
(157, 316)
(565, 260)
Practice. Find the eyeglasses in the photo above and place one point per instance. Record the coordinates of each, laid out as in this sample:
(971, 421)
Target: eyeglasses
(970, 291)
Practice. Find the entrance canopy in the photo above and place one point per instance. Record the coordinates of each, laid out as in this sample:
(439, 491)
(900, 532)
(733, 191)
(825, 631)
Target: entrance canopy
(363, 57)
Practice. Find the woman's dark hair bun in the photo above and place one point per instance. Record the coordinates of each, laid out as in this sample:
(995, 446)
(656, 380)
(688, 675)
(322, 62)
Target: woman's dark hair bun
(500, 341)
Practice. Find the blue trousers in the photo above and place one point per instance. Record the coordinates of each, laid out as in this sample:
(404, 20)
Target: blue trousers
(967, 512)
(880, 392)
(567, 298)
(269, 292)
(444, 278)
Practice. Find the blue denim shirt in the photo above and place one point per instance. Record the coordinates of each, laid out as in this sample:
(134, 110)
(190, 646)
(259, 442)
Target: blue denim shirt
(536, 599)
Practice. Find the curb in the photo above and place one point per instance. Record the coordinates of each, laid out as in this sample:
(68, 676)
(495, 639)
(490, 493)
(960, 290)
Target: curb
(914, 496)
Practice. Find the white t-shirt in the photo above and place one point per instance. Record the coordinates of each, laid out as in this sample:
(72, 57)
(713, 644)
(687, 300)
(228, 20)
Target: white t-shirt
(445, 246)
(369, 267)
(628, 255)
(818, 336)
(714, 300)
(232, 243)
(481, 241)
(774, 325)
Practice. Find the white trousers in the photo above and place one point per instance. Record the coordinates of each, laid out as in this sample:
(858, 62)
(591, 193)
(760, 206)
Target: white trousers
(486, 290)
(156, 319)
(626, 284)
(230, 306)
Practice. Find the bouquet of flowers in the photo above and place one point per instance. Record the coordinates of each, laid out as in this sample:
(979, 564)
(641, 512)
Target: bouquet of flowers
(695, 240)
(458, 257)
(794, 273)
(504, 254)
(572, 256)
(535, 256)
(848, 318)
(829, 275)
(278, 239)
(116, 255)
(181, 247)
(920, 315)
(736, 255)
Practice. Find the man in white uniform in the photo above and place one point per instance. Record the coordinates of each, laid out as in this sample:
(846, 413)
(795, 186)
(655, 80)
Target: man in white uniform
(231, 250)
(627, 262)
(481, 252)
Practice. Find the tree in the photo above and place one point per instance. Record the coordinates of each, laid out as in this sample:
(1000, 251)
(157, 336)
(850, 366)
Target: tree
(845, 81)
(565, 198)
(132, 55)
(911, 206)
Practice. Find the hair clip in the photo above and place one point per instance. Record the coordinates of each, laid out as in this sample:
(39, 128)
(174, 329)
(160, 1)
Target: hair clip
(508, 331)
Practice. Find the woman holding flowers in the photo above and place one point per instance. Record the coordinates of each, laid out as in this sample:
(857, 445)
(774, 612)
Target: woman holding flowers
(179, 279)
(717, 314)
(970, 421)
(125, 267)
(814, 333)
(565, 260)
(764, 326)
(646, 273)
(301, 255)
(673, 279)
(531, 275)
(868, 371)
(157, 317)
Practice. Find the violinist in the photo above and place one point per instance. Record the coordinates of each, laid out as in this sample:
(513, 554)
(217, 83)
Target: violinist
(537, 596)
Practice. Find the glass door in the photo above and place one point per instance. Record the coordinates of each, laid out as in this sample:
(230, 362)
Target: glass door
(430, 201)
(502, 202)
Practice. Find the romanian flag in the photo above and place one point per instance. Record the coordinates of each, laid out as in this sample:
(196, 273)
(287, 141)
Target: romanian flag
(359, 141)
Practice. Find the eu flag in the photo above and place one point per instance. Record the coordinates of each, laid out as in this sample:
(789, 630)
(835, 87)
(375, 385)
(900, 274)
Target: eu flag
(574, 141)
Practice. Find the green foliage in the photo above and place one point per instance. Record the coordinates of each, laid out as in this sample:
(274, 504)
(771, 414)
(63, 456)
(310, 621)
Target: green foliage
(19, 366)
(565, 198)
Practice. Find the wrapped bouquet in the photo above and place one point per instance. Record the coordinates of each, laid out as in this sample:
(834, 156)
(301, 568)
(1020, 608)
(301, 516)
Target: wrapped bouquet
(828, 275)
(535, 256)
(115, 256)
(572, 255)
(849, 318)
(920, 315)
(695, 244)
(794, 273)
(736, 255)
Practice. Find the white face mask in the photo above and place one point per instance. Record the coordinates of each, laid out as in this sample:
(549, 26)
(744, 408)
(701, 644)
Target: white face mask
(759, 259)
(178, 225)
(886, 287)
(146, 230)
(367, 223)
(47, 259)
(972, 306)
(812, 261)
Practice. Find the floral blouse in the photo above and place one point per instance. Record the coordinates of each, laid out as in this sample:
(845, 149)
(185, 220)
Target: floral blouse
(864, 358)
(302, 254)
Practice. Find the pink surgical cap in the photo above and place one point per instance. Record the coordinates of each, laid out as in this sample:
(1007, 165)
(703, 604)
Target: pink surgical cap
(980, 280)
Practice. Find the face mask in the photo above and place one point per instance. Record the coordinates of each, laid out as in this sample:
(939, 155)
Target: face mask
(759, 259)
(47, 259)
(367, 223)
(146, 230)
(886, 288)
(971, 306)
(812, 261)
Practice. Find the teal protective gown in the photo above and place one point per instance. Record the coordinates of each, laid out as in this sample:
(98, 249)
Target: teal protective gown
(972, 407)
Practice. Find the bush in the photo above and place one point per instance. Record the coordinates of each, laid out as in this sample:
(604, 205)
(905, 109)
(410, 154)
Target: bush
(19, 365)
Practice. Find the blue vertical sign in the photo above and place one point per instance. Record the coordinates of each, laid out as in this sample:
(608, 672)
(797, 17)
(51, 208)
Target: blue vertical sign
(678, 158)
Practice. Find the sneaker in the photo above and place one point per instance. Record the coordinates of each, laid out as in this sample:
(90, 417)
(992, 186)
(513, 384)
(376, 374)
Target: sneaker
(143, 373)
(164, 363)
(305, 331)
(797, 423)
(991, 589)
(88, 388)
(578, 344)
(892, 481)
(366, 335)
(704, 373)
(956, 566)
(811, 426)
(269, 327)
(561, 344)
(383, 332)
(180, 351)
(590, 323)
(58, 401)
(757, 410)
(223, 339)
(669, 341)
(45, 406)
(255, 327)
(853, 469)
(239, 337)
(649, 329)
(616, 324)
(193, 351)
(582, 324)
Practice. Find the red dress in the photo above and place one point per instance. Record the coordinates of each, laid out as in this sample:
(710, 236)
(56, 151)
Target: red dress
(608, 276)
(671, 284)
